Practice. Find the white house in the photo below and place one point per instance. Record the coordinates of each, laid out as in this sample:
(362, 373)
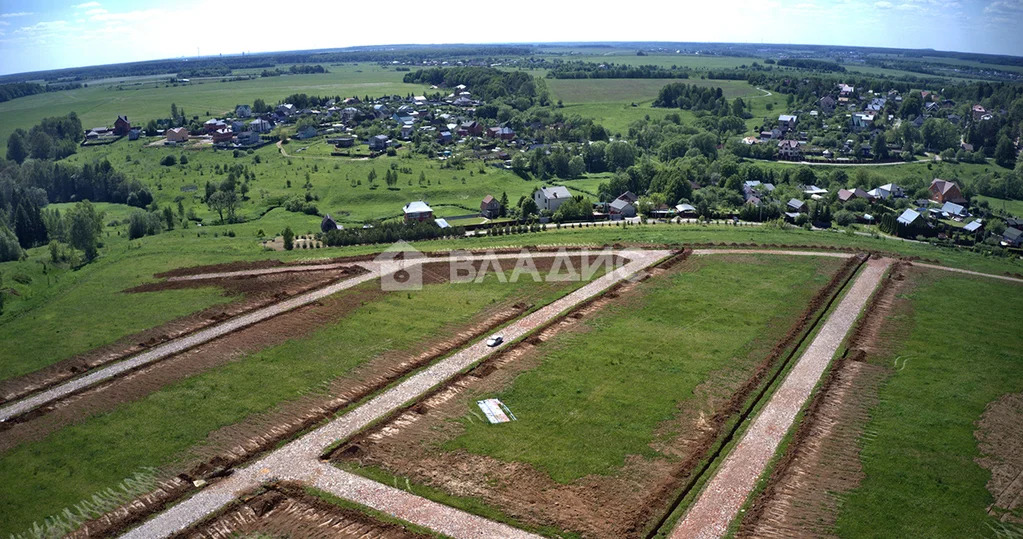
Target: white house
(243, 111)
(551, 198)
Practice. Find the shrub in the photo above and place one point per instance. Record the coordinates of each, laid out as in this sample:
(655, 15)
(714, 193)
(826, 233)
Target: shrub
(169, 161)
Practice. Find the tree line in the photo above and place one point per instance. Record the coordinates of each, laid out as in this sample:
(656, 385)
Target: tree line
(590, 70)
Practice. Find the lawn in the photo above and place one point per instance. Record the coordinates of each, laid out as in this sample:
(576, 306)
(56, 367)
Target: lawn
(607, 387)
(636, 90)
(921, 476)
(41, 478)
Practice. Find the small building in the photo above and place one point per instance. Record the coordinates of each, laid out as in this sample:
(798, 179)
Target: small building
(686, 210)
(344, 142)
(973, 226)
(286, 109)
(378, 143)
(978, 113)
(243, 111)
(621, 208)
(305, 132)
(1012, 237)
(177, 134)
(248, 138)
(908, 217)
(789, 149)
(328, 223)
(473, 129)
(121, 126)
(133, 134)
(862, 121)
(953, 210)
(417, 211)
(945, 191)
(490, 207)
(445, 137)
(551, 198)
(406, 131)
(796, 205)
(441, 223)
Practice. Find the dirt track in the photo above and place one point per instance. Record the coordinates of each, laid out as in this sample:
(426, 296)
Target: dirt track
(719, 502)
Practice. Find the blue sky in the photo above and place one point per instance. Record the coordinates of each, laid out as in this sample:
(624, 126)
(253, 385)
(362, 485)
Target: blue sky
(46, 34)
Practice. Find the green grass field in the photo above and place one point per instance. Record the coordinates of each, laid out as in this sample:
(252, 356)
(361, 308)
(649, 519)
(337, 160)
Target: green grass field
(921, 477)
(100, 104)
(1012, 207)
(38, 479)
(609, 386)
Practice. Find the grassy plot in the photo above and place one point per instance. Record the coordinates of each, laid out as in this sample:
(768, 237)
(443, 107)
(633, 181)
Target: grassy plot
(40, 478)
(919, 460)
(608, 388)
(1013, 207)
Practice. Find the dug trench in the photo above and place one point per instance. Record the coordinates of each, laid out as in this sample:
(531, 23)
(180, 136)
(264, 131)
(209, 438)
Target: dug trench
(627, 504)
(256, 292)
(803, 494)
(287, 510)
(237, 444)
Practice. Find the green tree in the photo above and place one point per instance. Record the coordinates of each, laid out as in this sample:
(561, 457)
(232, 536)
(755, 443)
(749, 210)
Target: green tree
(168, 217)
(1005, 152)
(17, 146)
(939, 134)
(619, 155)
(880, 148)
(223, 201)
(289, 239)
(9, 247)
(504, 205)
(84, 226)
(40, 144)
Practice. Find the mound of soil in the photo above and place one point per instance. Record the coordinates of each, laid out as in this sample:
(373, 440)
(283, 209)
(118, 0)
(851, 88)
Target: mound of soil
(1000, 440)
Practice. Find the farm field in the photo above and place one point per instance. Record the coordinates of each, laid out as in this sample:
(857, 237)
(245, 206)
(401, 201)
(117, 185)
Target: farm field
(171, 426)
(636, 90)
(1013, 207)
(604, 421)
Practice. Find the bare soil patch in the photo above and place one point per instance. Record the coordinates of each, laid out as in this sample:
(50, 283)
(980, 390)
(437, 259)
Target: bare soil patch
(803, 495)
(1000, 440)
(256, 292)
(288, 511)
(621, 505)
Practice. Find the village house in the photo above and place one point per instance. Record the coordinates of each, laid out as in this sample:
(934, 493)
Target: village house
(212, 125)
(621, 208)
(551, 198)
(978, 113)
(121, 126)
(417, 211)
(328, 223)
(887, 191)
(177, 134)
(796, 205)
(490, 208)
(248, 138)
(1012, 237)
(787, 122)
(286, 109)
(789, 149)
(344, 142)
(845, 195)
(222, 135)
(846, 91)
(243, 111)
(133, 134)
(945, 191)
(827, 104)
(862, 121)
(378, 143)
(260, 125)
(406, 131)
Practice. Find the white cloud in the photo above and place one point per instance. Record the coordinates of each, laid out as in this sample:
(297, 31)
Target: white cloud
(17, 14)
(883, 5)
(4, 23)
(96, 11)
(87, 5)
(1005, 7)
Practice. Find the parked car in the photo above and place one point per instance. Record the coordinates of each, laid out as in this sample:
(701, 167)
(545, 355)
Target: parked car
(495, 340)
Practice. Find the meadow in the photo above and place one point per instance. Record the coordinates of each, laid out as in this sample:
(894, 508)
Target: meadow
(921, 474)
(161, 429)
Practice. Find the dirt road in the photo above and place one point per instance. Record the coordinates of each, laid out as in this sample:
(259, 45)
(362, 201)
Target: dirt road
(723, 496)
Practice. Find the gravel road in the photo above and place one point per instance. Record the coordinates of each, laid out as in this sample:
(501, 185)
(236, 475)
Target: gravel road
(968, 272)
(264, 271)
(299, 459)
(723, 496)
